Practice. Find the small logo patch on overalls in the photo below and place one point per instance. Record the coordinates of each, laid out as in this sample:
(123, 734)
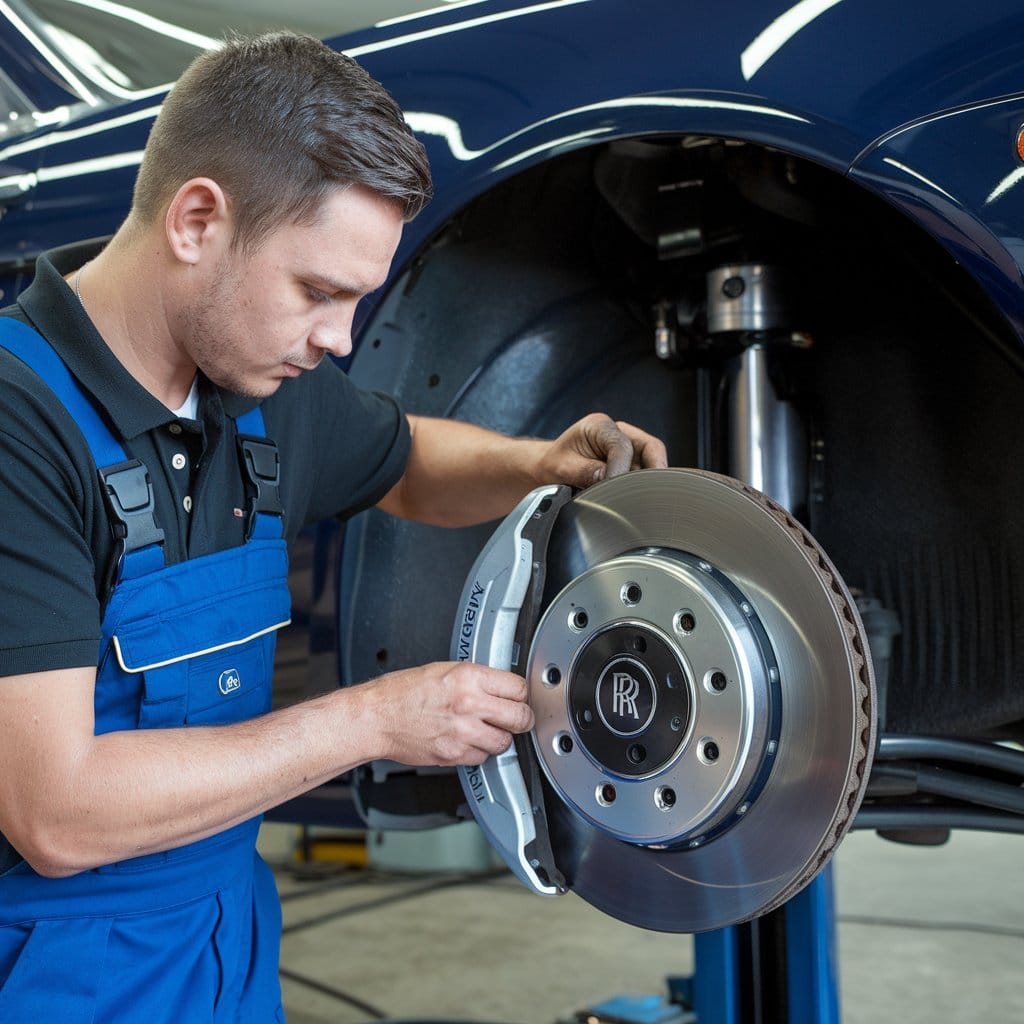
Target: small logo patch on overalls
(229, 681)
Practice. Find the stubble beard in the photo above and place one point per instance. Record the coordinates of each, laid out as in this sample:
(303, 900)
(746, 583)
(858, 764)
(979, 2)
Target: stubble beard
(218, 350)
(215, 350)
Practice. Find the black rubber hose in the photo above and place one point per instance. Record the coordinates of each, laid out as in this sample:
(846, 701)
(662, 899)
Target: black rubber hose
(912, 818)
(938, 748)
(957, 786)
(900, 779)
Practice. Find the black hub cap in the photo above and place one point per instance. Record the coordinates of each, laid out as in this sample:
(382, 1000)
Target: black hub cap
(629, 703)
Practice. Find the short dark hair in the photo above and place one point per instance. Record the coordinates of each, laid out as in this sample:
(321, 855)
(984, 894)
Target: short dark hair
(278, 121)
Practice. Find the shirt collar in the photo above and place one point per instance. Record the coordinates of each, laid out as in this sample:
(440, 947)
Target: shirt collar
(55, 311)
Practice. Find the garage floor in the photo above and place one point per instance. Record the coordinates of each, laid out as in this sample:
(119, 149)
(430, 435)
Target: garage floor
(925, 935)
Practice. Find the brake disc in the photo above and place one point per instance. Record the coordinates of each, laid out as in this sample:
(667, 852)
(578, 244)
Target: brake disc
(704, 703)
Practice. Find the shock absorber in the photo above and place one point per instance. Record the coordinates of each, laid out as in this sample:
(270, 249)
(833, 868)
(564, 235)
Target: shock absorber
(766, 436)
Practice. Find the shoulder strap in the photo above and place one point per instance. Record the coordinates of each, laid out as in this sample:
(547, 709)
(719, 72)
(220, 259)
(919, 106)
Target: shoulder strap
(39, 355)
(262, 469)
(124, 482)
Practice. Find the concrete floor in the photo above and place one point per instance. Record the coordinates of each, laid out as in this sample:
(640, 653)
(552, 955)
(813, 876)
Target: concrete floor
(925, 935)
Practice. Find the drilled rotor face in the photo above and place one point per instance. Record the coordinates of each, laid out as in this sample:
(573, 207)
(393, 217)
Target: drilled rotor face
(656, 696)
(704, 707)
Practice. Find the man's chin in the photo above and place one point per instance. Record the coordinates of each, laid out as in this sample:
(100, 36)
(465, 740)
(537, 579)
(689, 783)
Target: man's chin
(251, 388)
(264, 388)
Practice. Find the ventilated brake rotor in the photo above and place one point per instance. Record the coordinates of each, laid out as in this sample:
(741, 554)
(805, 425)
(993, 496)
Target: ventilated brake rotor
(704, 705)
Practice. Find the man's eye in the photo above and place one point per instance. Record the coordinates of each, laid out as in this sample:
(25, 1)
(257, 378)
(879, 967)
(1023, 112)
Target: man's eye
(316, 295)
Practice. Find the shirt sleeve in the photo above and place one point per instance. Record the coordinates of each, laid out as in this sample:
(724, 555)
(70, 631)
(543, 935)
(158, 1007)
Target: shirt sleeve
(49, 615)
(346, 447)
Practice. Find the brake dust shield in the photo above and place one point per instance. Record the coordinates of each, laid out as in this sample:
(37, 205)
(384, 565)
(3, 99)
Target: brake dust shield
(704, 702)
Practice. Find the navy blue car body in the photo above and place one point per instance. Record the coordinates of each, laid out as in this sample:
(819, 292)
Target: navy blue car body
(593, 161)
(922, 108)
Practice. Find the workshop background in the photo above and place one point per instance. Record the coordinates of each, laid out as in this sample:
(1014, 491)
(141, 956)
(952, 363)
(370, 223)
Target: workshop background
(925, 935)
(788, 237)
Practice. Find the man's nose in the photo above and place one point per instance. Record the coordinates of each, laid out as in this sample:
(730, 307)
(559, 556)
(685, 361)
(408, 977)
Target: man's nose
(333, 334)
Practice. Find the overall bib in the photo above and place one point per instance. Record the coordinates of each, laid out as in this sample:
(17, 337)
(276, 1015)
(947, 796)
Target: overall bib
(191, 934)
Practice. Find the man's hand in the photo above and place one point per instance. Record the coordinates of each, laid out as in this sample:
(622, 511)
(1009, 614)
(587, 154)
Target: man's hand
(597, 447)
(448, 713)
(459, 474)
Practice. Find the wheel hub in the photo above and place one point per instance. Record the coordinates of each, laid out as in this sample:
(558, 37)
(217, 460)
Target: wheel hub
(656, 697)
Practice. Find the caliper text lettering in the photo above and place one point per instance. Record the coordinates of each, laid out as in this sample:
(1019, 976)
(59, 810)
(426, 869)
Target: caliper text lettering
(469, 621)
(476, 784)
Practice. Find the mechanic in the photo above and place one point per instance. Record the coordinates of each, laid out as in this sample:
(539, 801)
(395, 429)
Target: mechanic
(146, 509)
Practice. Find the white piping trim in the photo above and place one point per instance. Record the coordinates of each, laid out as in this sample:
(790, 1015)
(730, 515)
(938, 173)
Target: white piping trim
(194, 654)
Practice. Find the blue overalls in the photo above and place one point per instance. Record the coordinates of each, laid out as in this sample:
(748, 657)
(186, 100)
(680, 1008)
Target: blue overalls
(191, 934)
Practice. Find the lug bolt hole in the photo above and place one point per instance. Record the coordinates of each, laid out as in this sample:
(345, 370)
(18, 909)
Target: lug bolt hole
(716, 680)
(709, 751)
(564, 743)
(637, 753)
(552, 675)
(631, 594)
(579, 620)
(686, 621)
(665, 798)
(606, 794)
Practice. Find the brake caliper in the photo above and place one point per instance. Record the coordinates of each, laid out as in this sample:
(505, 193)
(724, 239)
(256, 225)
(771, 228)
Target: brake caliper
(498, 613)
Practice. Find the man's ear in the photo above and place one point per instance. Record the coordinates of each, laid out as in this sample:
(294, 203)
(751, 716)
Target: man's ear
(198, 215)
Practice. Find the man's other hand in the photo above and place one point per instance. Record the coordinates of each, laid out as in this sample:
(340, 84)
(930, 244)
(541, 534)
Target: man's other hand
(597, 447)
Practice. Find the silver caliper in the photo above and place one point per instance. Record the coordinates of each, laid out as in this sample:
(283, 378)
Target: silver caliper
(494, 619)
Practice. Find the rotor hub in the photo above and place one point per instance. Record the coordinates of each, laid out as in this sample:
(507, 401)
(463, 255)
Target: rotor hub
(656, 696)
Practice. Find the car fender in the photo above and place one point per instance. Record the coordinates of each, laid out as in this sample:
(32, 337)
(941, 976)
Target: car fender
(495, 89)
(974, 207)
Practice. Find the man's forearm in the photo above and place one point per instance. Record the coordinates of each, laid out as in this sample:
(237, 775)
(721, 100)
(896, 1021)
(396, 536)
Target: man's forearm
(132, 793)
(460, 474)
(70, 800)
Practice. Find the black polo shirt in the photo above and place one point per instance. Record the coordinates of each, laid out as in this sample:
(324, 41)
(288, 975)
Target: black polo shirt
(341, 449)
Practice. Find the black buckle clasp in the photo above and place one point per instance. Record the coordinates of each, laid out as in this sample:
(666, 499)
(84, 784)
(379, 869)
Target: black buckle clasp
(129, 497)
(262, 466)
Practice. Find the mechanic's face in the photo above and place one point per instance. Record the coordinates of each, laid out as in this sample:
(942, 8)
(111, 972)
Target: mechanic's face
(270, 315)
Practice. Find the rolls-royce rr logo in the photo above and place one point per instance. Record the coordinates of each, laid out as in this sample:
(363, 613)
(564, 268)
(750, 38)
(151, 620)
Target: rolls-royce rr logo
(626, 696)
(625, 690)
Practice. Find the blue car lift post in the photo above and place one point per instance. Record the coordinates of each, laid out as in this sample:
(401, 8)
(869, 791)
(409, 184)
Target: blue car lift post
(778, 969)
